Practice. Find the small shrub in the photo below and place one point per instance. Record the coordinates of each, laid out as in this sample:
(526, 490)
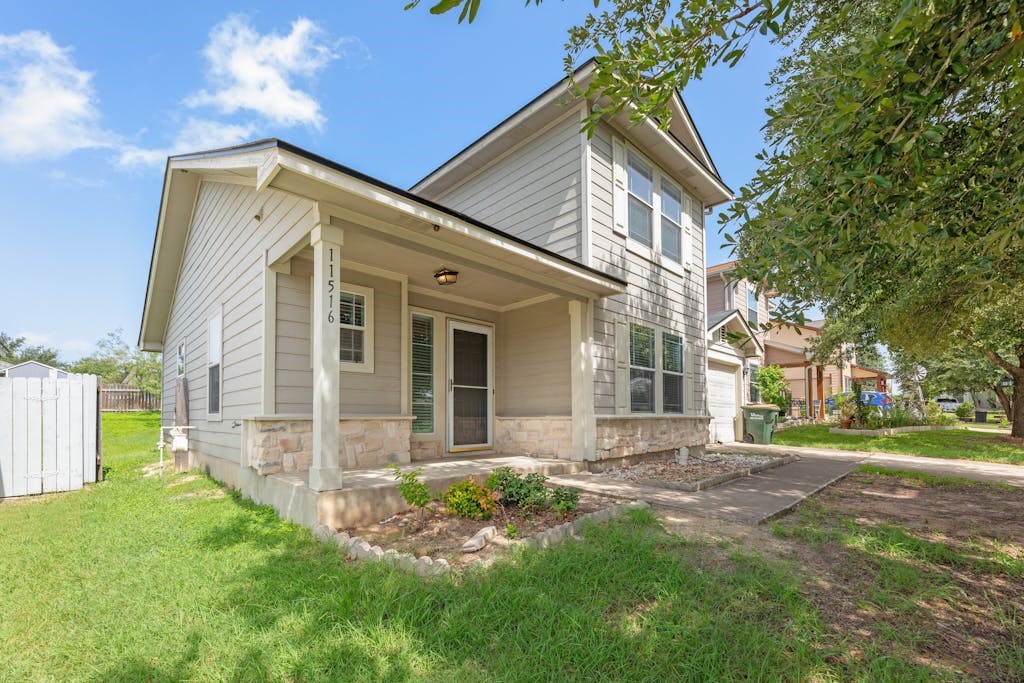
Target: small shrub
(935, 417)
(965, 411)
(469, 499)
(515, 489)
(413, 491)
(511, 531)
(565, 499)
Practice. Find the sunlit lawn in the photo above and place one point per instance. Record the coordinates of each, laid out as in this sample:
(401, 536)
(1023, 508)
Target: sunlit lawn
(955, 443)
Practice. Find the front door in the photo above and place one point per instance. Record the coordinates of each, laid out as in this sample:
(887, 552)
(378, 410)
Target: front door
(470, 386)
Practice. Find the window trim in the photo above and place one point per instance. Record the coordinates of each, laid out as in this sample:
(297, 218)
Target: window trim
(681, 374)
(753, 367)
(218, 318)
(434, 371)
(632, 156)
(658, 369)
(653, 253)
(179, 362)
(754, 320)
(368, 327)
(653, 368)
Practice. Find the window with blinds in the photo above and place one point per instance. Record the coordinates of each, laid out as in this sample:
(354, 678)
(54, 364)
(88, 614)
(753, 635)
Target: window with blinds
(422, 338)
(672, 373)
(352, 320)
(641, 369)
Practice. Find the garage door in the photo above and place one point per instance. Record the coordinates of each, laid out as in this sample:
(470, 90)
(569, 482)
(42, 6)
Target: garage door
(722, 401)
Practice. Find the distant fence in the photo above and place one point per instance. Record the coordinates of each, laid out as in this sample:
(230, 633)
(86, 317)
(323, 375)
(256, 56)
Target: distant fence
(49, 434)
(124, 398)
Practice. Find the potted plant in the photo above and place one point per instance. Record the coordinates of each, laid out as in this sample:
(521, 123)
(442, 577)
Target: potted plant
(847, 409)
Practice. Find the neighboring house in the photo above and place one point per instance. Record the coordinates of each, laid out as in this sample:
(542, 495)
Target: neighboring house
(734, 306)
(308, 310)
(810, 383)
(734, 350)
(33, 368)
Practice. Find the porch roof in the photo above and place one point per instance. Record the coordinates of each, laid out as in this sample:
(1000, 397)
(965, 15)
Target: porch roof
(352, 197)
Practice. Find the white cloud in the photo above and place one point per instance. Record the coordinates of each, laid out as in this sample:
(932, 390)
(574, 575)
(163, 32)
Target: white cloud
(254, 72)
(47, 104)
(62, 178)
(196, 135)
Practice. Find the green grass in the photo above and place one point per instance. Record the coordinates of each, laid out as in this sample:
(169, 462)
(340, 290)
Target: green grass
(924, 477)
(172, 578)
(956, 443)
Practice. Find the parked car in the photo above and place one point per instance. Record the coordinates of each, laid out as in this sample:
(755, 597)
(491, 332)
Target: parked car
(875, 399)
(948, 405)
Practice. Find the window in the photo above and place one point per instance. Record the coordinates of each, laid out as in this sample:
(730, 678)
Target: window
(641, 200)
(355, 320)
(752, 306)
(671, 221)
(755, 395)
(672, 373)
(180, 367)
(423, 374)
(213, 366)
(641, 369)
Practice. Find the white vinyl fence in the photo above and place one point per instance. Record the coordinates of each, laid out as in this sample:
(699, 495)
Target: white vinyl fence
(49, 434)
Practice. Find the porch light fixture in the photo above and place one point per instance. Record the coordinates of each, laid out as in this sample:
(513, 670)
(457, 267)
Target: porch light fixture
(446, 276)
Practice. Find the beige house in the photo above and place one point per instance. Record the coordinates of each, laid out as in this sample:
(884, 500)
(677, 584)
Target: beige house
(540, 294)
(736, 312)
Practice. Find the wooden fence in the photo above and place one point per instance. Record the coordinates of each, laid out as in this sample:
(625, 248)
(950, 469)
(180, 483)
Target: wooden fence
(124, 398)
(49, 434)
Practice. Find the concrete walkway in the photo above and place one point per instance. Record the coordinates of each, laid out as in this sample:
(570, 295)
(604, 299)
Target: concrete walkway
(992, 472)
(751, 500)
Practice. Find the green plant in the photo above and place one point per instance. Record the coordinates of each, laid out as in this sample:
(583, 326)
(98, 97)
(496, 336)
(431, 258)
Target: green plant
(469, 499)
(861, 410)
(511, 531)
(936, 417)
(772, 386)
(515, 489)
(413, 491)
(965, 411)
(845, 407)
(565, 499)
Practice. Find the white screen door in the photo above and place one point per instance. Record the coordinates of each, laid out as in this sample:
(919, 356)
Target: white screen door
(470, 385)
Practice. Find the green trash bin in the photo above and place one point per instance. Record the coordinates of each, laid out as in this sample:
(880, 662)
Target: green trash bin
(759, 422)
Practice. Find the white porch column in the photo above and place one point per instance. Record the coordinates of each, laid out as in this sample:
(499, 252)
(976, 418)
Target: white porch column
(581, 337)
(325, 472)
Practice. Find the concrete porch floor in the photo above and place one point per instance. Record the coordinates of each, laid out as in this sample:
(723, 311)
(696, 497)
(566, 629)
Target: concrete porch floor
(371, 495)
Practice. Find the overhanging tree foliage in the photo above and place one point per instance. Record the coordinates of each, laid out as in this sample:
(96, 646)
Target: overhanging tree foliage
(16, 350)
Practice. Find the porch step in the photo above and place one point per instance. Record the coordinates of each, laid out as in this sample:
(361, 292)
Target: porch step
(371, 495)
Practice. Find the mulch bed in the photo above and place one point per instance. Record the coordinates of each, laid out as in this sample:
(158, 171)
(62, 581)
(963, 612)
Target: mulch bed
(697, 469)
(438, 534)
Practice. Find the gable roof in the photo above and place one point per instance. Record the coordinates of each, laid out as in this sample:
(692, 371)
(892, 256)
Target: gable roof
(720, 319)
(265, 162)
(681, 139)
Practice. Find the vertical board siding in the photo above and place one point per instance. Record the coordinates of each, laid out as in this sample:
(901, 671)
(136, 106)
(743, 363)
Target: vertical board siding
(48, 434)
(534, 192)
(656, 295)
(222, 270)
(362, 393)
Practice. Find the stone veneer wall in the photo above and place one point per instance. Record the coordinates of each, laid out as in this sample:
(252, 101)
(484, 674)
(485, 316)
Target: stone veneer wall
(622, 437)
(283, 445)
(538, 437)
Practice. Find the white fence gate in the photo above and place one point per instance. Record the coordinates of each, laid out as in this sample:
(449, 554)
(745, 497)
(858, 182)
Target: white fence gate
(49, 434)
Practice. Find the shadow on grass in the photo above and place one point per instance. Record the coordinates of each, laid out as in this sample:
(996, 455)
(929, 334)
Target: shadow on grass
(630, 603)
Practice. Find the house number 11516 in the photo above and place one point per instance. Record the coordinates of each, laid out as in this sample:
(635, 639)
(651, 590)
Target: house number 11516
(330, 285)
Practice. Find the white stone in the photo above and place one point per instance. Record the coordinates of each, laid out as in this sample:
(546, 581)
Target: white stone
(358, 549)
(406, 562)
(375, 554)
(342, 540)
(323, 533)
(479, 539)
(441, 566)
(424, 566)
(683, 456)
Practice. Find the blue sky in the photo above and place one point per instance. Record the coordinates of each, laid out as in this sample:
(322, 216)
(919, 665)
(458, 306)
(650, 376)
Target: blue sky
(93, 99)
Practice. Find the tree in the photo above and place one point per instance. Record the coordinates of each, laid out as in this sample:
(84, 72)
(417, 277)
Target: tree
(16, 350)
(772, 386)
(890, 185)
(117, 362)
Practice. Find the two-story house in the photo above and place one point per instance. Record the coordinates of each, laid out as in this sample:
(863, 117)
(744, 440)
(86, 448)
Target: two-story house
(542, 293)
(737, 310)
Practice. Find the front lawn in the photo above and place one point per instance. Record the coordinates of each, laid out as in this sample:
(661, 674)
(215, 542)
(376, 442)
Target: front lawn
(148, 577)
(956, 443)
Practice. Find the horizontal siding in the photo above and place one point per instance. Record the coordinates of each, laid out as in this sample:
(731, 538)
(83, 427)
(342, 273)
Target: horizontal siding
(533, 364)
(222, 269)
(534, 192)
(376, 393)
(654, 294)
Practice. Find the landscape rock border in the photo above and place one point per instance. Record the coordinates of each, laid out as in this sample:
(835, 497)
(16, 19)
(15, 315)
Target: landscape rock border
(360, 550)
(717, 479)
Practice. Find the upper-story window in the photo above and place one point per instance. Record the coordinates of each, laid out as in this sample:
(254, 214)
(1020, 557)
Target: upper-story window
(651, 210)
(641, 201)
(752, 306)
